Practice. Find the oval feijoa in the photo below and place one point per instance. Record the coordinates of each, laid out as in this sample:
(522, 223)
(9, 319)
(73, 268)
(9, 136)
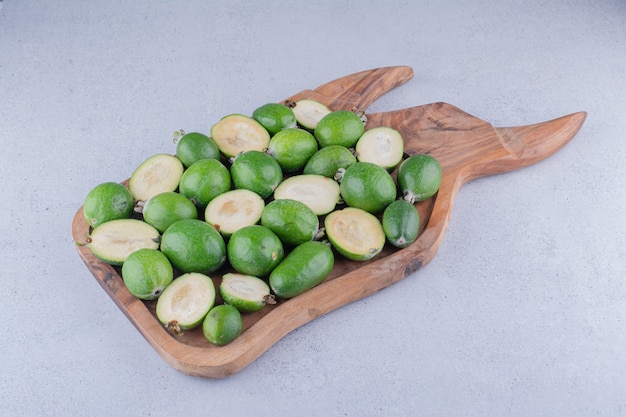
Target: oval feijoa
(401, 223)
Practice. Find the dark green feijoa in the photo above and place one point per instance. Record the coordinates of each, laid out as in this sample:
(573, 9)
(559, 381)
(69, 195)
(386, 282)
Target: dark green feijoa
(246, 293)
(292, 148)
(185, 302)
(255, 250)
(401, 223)
(340, 127)
(256, 171)
(204, 180)
(328, 160)
(302, 269)
(146, 273)
(193, 245)
(274, 117)
(166, 208)
(222, 324)
(107, 201)
(367, 186)
(193, 146)
(293, 221)
(419, 177)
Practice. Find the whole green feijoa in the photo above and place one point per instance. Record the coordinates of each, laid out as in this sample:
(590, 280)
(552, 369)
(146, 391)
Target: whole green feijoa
(256, 171)
(340, 127)
(367, 186)
(193, 245)
(292, 221)
(292, 148)
(146, 273)
(255, 250)
(107, 201)
(204, 180)
(274, 117)
(419, 177)
(222, 324)
(166, 208)
(328, 160)
(401, 223)
(194, 146)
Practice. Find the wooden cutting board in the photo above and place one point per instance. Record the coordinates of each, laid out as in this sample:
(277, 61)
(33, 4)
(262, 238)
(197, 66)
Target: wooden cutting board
(467, 148)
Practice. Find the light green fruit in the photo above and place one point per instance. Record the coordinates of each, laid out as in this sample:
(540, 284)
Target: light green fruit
(367, 186)
(274, 117)
(246, 293)
(355, 233)
(166, 208)
(340, 127)
(204, 180)
(114, 240)
(158, 174)
(107, 201)
(292, 221)
(194, 146)
(255, 250)
(256, 171)
(319, 193)
(328, 160)
(234, 210)
(222, 325)
(401, 223)
(309, 112)
(193, 245)
(237, 133)
(382, 146)
(185, 303)
(292, 148)
(146, 273)
(419, 177)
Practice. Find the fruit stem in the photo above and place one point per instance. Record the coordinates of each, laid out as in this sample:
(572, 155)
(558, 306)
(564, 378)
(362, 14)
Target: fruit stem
(269, 299)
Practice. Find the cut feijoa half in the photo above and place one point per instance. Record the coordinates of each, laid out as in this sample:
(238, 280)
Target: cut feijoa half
(114, 240)
(382, 146)
(186, 301)
(238, 133)
(246, 293)
(234, 210)
(318, 192)
(158, 174)
(355, 233)
(309, 112)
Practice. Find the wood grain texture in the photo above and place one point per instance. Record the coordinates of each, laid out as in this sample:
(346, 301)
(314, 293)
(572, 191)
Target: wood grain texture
(467, 148)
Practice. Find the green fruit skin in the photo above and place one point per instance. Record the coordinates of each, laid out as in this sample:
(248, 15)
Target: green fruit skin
(107, 201)
(328, 160)
(274, 117)
(222, 325)
(193, 245)
(255, 250)
(419, 176)
(401, 223)
(340, 127)
(292, 221)
(302, 269)
(256, 171)
(166, 208)
(204, 180)
(368, 186)
(146, 273)
(194, 146)
(292, 148)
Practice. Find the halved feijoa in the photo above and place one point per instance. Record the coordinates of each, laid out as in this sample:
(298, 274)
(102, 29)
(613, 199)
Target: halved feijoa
(355, 233)
(114, 240)
(107, 201)
(309, 112)
(186, 301)
(340, 127)
(238, 133)
(256, 171)
(292, 148)
(401, 223)
(419, 177)
(146, 273)
(222, 325)
(328, 160)
(193, 146)
(204, 180)
(318, 192)
(255, 250)
(367, 186)
(382, 146)
(246, 293)
(232, 210)
(293, 221)
(166, 208)
(274, 117)
(193, 245)
(157, 174)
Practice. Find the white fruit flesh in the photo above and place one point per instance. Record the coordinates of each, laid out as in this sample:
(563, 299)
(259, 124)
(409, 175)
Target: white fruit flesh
(157, 174)
(320, 193)
(114, 240)
(186, 301)
(309, 112)
(238, 133)
(245, 292)
(355, 233)
(382, 146)
(233, 210)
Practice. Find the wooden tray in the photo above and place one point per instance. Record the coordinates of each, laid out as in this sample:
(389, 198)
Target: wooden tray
(467, 148)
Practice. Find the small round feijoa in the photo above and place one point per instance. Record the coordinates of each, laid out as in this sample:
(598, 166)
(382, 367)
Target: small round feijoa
(255, 250)
(194, 146)
(274, 117)
(204, 180)
(107, 201)
(292, 148)
(146, 273)
(238, 133)
(367, 186)
(233, 210)
(158, 174)
(256, 171)
(419, 177)
(355, 233)
(222, 325)
(328, 160)
(292, 221)
(401, 223)
(166, 208)
(246, 293)
(193, 245)
(340, 127)
(382, 146)
(318, 192)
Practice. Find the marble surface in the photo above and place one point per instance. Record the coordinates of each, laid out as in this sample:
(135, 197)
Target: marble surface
(521, 313)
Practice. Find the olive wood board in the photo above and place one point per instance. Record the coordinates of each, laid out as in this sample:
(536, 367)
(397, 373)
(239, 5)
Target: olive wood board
(466, 147)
